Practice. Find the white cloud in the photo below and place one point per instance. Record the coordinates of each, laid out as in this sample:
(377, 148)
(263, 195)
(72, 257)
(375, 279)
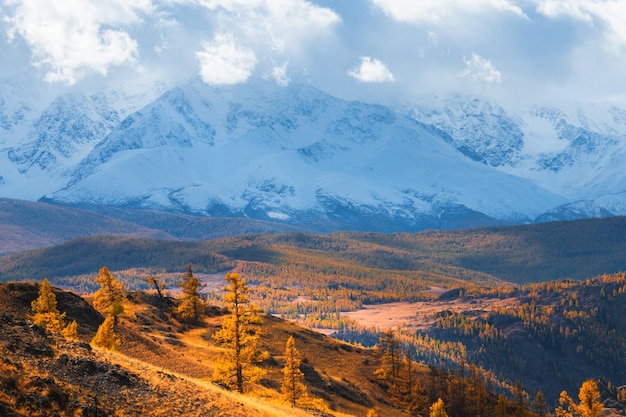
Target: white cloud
(281, 24)
(371, 70)
(224, 61)
(481, 69)
(70, 39)
(279, 74)
(436, 11)
(607, 15)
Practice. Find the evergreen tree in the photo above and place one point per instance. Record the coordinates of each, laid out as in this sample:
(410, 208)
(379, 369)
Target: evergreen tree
(105, 336)
(293, 387)
(45, 309)
(191, 306)
(372, 413)
(110, 298)
(240, 333)
(438, 409)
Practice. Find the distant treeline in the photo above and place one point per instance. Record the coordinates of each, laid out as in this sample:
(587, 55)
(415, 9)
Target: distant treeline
(483, 257)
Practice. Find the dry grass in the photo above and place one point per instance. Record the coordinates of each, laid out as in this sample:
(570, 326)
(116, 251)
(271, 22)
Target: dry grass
(420, 316)
(164, 365)
(338, 373)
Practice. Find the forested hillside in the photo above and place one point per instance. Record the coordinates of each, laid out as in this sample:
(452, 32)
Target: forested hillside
(519, 254)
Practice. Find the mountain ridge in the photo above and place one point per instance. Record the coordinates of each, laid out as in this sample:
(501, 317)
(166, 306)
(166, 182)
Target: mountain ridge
(299, 156)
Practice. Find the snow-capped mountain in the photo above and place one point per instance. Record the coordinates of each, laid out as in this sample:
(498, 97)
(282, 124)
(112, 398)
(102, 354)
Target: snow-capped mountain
(578, 155)
(43, 145)
(298, 155)
(295, 154)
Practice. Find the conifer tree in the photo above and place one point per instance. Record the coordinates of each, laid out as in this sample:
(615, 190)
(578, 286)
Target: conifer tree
(45, 309)
(70, 332)
(540, 404)
(438, 409)
(590, 402)
(293, 387)
(372, 413)
(157, 284)
(110, 298)
(191, 306)
(240, 333)
(105, 336)
(390, 353)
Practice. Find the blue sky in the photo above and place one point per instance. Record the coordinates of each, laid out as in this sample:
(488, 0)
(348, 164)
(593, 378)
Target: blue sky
(374, 50)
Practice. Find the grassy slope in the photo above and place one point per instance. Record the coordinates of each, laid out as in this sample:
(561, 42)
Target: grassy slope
(165, 364)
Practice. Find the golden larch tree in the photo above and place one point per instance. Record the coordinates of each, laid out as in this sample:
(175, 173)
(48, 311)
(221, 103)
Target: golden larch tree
(110, 298)
(239, 334)
(158, 284)
(191, 306)
(45, 309)
(71, 331)
(438, 409)
(105, 336)
(293, 387)
(390, 353)
(590, 404)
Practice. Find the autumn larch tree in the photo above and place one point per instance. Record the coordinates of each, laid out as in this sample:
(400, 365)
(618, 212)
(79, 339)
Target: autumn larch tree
(45, 309)
(110, 298)
(540, 404)
(390, 354)
(157, 284)
(590, 402)
(71, 331)
(191, 306)
(293, 387)
(438, 409)
(105, 336)
(239, 334)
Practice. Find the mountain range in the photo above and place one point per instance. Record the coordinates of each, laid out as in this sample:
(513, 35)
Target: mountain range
(299, 156)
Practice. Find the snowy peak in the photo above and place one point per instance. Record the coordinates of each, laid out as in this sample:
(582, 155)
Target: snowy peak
(480, 130)
(298, 155)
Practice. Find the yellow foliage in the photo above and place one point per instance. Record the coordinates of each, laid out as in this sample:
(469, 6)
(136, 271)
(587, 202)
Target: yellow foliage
(105, 336)
(438, 409)
(589, 405)
(45, 309)
(191, 306)
(240, 333)
(110, 298)
(293, 387)
(70, 332)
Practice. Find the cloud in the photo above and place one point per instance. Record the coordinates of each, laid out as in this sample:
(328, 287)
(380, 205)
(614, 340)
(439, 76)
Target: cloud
(279, 74)
(436, 11)
(607, 15)
(271, 30)
(371, 70)
(481, 69)
(224, 61)
(70, 39)
(281, 24)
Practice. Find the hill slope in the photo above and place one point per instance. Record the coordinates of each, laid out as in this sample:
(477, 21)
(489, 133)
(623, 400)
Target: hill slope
(163, 365)
(28, 225)
(491, 256)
